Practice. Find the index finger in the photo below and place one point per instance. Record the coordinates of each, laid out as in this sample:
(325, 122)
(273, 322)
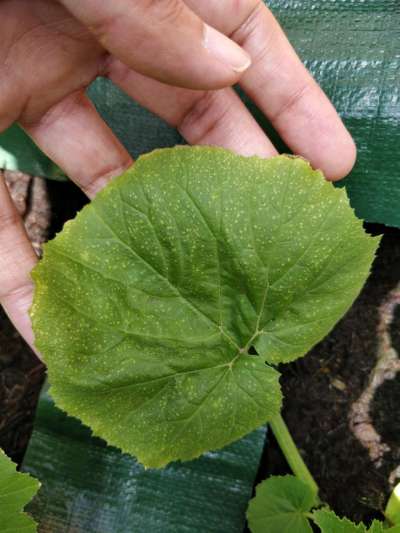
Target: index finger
(163, 39)
(282, 87)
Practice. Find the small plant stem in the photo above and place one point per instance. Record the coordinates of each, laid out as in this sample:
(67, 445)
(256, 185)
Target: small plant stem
(291, 453)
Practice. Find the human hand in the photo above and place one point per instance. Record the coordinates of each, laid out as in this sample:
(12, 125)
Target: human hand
(162, 55)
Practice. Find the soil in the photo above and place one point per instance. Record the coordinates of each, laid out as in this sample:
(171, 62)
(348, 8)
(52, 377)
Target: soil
(44, 206)
(395, 330)
(321, 388)
(21, 377)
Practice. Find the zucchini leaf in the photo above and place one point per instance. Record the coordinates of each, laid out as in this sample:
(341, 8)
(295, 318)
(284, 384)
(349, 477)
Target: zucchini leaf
(281, 505)
(149, 304)
(16, 490)
(329, 522)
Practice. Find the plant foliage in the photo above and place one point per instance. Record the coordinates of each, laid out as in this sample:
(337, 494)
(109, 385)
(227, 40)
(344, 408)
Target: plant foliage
(16, 490)
(284, 504)
(150, 304)
(281, 505)
(392, 511)
(19, 152)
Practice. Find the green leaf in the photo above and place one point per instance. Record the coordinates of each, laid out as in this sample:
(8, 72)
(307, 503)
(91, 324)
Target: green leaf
(16, 490)
(280, 506)
(380, 527)
(392, 511)
(147, 303)
(329, 522)
(283, 504)
(376, 527)
(18, 152)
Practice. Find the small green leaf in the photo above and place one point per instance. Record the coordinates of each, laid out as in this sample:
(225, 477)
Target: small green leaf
(379, 527)
(16, 490)
(392, 511)
(280, 505)
(376, 527)
(147, 304)
(329, 522)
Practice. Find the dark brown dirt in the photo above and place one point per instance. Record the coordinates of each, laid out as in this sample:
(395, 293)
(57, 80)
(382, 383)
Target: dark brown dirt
(21, 377)
(21, 373)
(320, 388)
(395, 330)
(44, 206)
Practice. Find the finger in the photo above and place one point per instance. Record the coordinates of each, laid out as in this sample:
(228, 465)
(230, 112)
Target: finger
(281, 86)
(202, 117)
(75, 137)
(17, 259)
(8, 109)
(163, 39)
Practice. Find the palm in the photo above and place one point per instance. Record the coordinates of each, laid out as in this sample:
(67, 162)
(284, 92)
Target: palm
(45, 55)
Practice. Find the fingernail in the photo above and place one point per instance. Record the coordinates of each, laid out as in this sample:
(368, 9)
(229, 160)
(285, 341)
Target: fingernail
(225, 50)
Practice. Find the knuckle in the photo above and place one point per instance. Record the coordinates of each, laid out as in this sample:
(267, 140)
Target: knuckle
(8, 217)
(203, 117)
(250, 23)
(244, 10)
(164, 11)
(16, 291)
(146, 16)
(259, 32)
(103, 27)
(11, 101)
(101, 176)
(292, 100)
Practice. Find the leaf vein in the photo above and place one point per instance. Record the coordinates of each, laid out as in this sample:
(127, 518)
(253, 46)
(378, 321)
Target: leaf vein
(155, 271)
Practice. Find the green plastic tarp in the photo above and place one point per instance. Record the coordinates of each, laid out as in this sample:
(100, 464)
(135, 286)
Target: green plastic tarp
(350, 46)
(88, 487)
(352, 49)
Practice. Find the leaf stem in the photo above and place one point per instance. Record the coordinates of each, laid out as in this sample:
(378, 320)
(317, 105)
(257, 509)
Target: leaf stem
(291, 453)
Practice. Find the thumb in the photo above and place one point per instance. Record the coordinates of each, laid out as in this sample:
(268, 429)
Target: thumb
(163, 39)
